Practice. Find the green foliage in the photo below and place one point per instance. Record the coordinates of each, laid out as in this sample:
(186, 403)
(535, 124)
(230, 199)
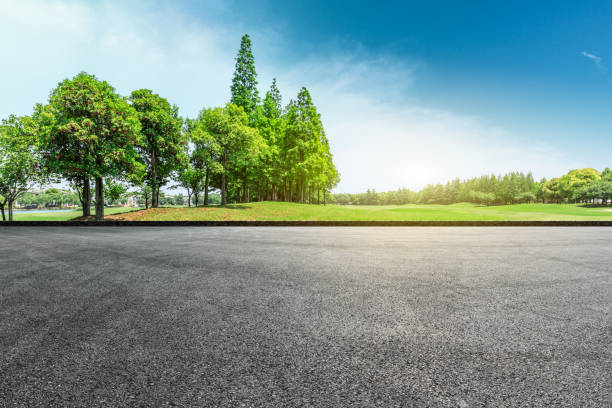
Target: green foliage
(88, 131)
(576, 180)
(20, 163)
(162, 143)
(305, 153)
(236, 143)
(50, 198)
(113, 190)
(244, 84)
(600, 190)
(191, 179)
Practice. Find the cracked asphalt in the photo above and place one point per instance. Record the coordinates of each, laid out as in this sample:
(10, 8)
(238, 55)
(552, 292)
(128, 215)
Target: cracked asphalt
(297, 317)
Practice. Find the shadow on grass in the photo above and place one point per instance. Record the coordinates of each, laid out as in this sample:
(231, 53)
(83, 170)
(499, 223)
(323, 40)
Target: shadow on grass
(227, 206)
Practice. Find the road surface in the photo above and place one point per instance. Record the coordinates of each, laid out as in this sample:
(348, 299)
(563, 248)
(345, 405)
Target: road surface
(322, 317)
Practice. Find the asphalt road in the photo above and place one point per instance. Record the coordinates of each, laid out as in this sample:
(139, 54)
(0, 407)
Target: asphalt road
(322, 317)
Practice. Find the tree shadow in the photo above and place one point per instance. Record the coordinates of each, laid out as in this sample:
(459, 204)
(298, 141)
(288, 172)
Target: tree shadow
(227, 206)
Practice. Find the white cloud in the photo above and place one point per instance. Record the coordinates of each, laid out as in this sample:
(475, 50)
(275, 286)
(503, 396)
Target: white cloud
(592, 57)
(381, 138)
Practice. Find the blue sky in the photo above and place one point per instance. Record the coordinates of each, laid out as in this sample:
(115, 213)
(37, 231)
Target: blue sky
(410, 92)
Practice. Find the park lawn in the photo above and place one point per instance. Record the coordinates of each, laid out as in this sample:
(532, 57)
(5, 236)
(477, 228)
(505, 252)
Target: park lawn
(281, 211)
(64, 215)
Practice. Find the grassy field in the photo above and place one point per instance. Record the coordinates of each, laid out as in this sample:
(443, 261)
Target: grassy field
(278, 211)
(63, 215)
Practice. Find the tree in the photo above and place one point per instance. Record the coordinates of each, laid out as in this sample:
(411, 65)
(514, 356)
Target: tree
(236, 140)
(161, 146)
(144, 191)
(244, 83)
(575, 180)
(551, 190)
(113, 190)
(191, 179)
(205, 156)
(305, 152)
(89, 132)
(20, 164)
(271, 127)
(597, 190)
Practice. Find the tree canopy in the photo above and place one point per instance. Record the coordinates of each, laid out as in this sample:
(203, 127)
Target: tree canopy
(161, 145)
(20, 164)
(88, 131)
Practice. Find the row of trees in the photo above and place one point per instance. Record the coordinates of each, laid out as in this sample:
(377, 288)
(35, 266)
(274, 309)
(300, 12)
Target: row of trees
(577, 186)
(90, 136)
(253, 149)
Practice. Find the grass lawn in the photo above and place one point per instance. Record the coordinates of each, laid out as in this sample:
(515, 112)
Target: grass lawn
(279, 211)
(63, 215)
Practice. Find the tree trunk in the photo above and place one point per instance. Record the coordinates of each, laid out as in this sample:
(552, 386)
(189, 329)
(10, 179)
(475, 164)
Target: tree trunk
(10, 210)
(223, 198)
(206, 186)
(154, 196)
(86, 198)
(2, 211)
(245, 192)
(99, 199)
(324, 197)
(154, 186)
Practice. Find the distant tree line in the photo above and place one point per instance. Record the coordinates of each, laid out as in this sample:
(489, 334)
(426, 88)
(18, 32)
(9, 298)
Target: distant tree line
(577, 186)
(101, 142)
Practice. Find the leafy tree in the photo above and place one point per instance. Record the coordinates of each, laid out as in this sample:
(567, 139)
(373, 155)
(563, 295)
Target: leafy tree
(206, 153)
(191, 179)
(161, 146)
(270, 123)
(575, 180)
(551, 190)
(236, 140)
(89, 132)
(244, 83)
(113, 190)
(20, 160)
(305, 153)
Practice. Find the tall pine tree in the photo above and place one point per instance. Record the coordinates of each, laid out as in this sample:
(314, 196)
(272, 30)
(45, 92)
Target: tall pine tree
(244, 83)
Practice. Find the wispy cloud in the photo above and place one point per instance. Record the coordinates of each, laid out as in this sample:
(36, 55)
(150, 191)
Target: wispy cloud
(592, 57)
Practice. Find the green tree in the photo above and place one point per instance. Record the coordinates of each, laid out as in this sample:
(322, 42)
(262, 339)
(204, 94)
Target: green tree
(270, 123)
(191, 179)
(597, 190)
(575, 180)
(237, 142)
(305, 153)
(113, 190)
(89, 132)
(144, 192)
(161, 146)
(20, 162)
(205, 156)
(606, 174)
(551, 190)
(244, 83)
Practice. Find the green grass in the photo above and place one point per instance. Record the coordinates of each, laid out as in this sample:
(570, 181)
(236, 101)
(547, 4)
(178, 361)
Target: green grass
(63, 215)
(278, 211)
